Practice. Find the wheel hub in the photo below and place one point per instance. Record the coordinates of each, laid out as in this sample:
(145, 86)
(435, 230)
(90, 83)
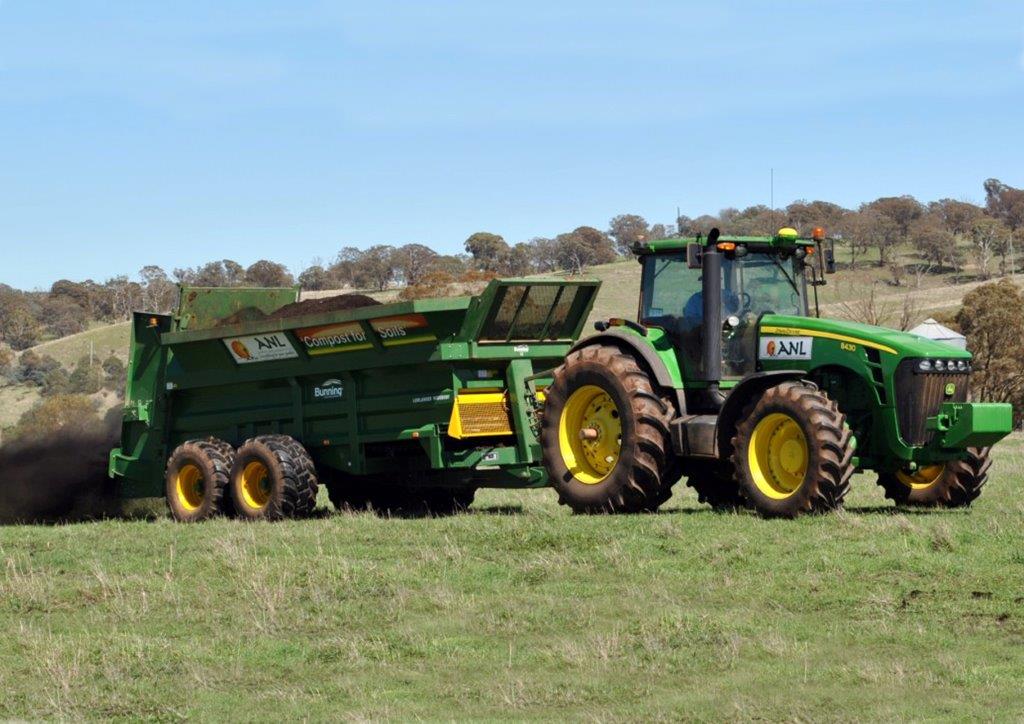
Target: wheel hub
(922, 478)
(190, 487)
(590, 434)
(255, 485)
(778, 456)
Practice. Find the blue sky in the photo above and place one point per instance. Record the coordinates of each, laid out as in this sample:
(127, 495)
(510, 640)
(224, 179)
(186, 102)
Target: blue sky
(179, 132)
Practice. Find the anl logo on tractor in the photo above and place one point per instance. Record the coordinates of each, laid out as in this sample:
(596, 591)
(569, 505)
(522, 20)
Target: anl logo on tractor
(785, 348)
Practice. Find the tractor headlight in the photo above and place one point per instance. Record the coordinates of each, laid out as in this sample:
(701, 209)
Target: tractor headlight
(943, 365)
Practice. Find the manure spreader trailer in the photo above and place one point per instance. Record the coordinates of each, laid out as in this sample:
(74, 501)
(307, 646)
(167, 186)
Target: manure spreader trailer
(230, 408)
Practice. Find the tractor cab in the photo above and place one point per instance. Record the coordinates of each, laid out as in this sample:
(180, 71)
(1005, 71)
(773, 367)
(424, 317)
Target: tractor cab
(708, 294)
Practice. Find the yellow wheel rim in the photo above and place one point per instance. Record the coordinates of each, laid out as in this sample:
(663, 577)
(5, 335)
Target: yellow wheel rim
(255, 485)
(190, 487)
(778, 456)
(590, 411)
(923, 477)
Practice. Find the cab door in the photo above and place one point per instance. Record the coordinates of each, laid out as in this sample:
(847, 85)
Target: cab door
(671, 299)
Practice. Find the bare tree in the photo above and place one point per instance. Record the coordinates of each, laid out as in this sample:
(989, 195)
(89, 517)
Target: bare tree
(868, 310)
(988, 237)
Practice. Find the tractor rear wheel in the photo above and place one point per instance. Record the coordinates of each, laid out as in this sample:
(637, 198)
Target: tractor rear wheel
(793, 452)
(604, 434)
(954, 484)
(196, 479)
(273, 477)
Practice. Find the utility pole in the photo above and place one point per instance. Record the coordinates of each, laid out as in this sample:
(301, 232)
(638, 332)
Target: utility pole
(1013, 266)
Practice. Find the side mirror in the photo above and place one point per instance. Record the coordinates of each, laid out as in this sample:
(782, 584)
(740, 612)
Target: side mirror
(694, 256)
(830, 257)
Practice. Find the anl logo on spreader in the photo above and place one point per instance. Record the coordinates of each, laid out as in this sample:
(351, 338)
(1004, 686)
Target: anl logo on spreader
(260, 348)
(785, 348)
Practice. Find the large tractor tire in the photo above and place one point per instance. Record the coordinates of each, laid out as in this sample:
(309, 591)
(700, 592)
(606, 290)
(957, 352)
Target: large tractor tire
(605, 435)
(949, 485)
(196, 479)
(715, 484)
(793, 452)
(272, 478)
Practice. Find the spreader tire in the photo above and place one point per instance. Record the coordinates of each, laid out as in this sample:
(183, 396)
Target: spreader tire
(305, 504)
(954, 484)
(196, 479)
(604, 434)
(273, 478)
(793, 452)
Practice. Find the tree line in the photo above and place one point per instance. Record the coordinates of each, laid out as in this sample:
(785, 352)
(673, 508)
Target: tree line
(942, 236)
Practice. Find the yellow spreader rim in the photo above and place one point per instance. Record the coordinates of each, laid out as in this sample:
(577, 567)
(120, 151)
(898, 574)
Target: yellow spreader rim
(189, 487)
(590, 408)
(255, 485)
(924, 477)
(778, 456)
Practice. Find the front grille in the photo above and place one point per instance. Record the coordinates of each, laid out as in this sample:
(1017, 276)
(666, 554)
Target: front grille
(919, 396)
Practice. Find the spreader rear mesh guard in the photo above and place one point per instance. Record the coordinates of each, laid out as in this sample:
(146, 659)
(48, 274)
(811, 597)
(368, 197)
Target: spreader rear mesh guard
(480, 415)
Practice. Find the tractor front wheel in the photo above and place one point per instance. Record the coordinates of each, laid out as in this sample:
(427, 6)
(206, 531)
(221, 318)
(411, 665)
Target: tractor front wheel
(954, 484)
(605, 435)
(793, 452)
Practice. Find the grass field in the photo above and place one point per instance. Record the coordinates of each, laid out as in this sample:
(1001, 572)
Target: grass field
(520, 610)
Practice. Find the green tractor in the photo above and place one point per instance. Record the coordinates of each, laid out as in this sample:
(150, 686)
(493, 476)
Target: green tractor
(727, 380)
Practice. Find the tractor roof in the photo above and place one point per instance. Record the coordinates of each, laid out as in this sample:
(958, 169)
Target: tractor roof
(783, 239)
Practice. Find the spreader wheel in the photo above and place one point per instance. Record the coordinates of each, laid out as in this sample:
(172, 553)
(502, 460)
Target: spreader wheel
(954, 484)
(273, 477)
(197, 478)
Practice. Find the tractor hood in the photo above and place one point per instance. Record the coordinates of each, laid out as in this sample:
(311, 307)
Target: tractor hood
(902, 344)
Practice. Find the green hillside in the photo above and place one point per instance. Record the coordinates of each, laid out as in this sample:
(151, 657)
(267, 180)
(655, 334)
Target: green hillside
(103, 340)
(844, 294)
